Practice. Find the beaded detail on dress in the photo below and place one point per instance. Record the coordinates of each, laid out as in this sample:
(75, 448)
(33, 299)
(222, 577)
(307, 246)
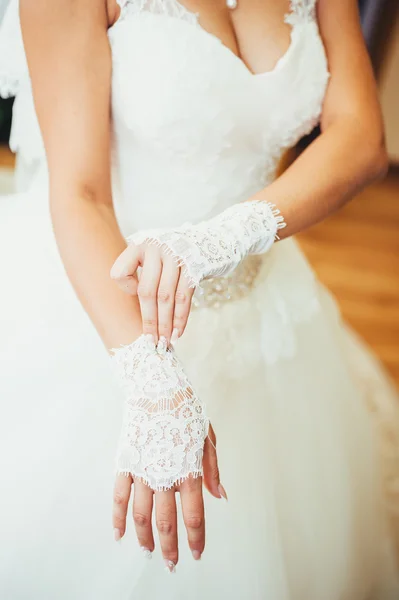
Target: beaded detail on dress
(217, 291)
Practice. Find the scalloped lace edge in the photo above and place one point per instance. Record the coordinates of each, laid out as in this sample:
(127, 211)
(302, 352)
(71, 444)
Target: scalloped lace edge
(184, 261)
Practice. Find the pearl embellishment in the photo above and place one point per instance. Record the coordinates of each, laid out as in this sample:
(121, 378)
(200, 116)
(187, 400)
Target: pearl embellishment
(232, 4)
(217, 291)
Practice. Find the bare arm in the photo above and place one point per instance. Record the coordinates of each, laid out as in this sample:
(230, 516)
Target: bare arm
(348, 155)
(70, 64)
(350, 152)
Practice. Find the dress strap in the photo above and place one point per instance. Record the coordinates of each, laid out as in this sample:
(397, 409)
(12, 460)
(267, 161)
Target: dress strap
(171, 8)
(301, 11)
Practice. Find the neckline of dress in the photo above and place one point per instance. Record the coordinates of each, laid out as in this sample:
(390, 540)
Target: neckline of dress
(236, 58)
(196, 25)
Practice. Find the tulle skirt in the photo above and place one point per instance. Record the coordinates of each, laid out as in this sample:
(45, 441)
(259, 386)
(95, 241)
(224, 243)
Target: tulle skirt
(306, 423)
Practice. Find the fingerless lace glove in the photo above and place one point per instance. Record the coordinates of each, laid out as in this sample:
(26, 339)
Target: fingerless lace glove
(216, 247)
(165, 425)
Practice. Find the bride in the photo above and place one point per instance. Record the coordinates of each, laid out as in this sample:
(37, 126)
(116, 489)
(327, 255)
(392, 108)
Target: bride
(205, 317)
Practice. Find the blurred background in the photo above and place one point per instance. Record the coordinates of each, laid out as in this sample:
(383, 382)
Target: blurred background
(356, 251)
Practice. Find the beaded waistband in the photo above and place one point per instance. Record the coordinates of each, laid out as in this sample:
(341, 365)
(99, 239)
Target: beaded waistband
(220, 290)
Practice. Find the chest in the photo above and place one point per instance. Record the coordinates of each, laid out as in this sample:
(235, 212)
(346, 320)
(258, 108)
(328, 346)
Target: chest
(178, 84)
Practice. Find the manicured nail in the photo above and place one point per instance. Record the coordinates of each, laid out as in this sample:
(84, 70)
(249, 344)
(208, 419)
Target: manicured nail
(175, 336)
(196, 554)
(222, 492)
(170, 566)
(117, 535)
(147, 552)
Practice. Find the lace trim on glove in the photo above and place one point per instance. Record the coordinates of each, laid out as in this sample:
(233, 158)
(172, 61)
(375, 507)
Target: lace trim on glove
(215, 248)
(165, 425)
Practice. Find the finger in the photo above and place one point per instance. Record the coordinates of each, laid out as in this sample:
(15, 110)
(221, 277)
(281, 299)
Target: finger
(183, 298)
(123, 486)
(193, 514)
(128, 285)
(124, 270)
(210, 466)
(166, 296)
(147, 290)
(166, 519)
(127, 263)
(142, 513)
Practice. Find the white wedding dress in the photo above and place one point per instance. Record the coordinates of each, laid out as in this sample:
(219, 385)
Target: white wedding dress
(306, 420)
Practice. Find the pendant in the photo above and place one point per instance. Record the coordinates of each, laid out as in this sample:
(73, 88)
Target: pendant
(232, 4)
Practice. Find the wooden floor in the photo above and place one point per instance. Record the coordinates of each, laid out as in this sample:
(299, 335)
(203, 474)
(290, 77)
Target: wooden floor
(6, 158)
(356, 254)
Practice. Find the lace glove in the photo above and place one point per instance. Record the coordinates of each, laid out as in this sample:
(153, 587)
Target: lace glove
(164, 426)
(216, 247)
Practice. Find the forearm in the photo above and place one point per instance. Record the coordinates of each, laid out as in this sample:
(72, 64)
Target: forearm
(339, 163)
(89, 241)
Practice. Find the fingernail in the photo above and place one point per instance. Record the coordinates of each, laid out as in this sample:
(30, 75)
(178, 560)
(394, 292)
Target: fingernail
(196, 554)
(170, 566)
(175, 336)
(147, 552)
(117, 535)
(222, 492)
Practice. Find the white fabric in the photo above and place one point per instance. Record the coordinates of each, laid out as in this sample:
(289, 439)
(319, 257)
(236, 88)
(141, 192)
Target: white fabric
(3, 6)
(306, 421)
(164, 426)
(216, 247)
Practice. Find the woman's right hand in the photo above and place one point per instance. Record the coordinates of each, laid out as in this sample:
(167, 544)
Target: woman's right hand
(163, 291)
(191, 494)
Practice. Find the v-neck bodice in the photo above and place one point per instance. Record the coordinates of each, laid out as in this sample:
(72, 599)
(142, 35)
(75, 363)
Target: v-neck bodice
(195, 129)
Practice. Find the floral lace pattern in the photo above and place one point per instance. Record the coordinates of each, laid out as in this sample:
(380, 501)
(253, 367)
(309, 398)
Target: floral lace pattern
(172, 8)
(300, 10)
(165, 425)
(215, 248)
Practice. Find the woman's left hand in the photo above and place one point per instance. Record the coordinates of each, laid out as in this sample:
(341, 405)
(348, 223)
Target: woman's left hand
(163, 291)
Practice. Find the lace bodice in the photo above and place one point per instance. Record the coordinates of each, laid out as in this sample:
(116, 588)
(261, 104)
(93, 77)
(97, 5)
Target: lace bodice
(192, 123)
(194, 130)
